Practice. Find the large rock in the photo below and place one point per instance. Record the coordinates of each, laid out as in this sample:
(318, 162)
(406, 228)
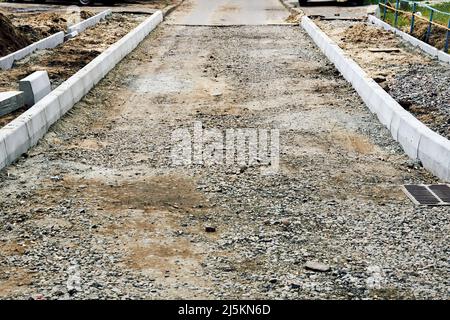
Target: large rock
(317, 266)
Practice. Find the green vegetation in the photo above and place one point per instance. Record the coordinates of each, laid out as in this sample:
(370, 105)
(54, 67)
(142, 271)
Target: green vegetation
(402, 21)
(367, 2)
(438, 17)
(444, 7)
(405, 19)
(438, 34)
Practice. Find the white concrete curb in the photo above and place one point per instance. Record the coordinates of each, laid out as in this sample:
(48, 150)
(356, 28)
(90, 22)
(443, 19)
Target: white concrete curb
(25, 131)
(418, 141)
(92, 21)
(35, 87)
(50, 42)
(432, 51)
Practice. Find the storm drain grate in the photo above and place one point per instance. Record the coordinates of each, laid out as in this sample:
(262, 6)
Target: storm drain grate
(430, 195)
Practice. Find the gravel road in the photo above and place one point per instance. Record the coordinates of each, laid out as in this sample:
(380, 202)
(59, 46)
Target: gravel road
(97, 210)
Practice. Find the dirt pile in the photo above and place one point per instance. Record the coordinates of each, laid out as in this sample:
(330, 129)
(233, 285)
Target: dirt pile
(40, 25)
(437, 36)
(11, 38)
(360, 33)
(294, 17)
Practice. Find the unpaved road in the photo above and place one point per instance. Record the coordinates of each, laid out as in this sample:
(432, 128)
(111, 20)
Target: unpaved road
(231, 12)
(97, 210)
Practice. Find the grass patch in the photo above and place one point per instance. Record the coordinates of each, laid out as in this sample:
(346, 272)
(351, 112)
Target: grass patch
(444, 7)
(367, 2)
(437, 35)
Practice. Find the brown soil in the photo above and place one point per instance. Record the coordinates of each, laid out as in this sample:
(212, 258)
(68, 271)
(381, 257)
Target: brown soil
(357, 38)
(169, 192)
(12, 280)
(65, 60)
(437, 36)
(11, 38)
(360, 33)
(4, 120)
(294, 17)
(43, 24)
(18, 30)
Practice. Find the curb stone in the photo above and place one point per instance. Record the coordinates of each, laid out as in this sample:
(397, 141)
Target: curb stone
(90, 22)
(417, 140)
(50, 42)
(25, 131)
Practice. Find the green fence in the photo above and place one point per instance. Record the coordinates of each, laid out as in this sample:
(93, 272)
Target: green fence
(427, 23)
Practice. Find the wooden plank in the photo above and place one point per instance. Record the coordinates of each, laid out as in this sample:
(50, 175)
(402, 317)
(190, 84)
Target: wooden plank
(384, 49)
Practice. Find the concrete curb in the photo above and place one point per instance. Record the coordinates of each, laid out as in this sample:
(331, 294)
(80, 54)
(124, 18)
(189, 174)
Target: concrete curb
(92, 21)
(432, 51)
(35, 87)
(25, 131)
(418, 141)
(50, 42)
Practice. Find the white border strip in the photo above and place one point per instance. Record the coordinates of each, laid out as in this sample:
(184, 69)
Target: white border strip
(418, 141)
(24, 132)
(432, 51)
(92, 21)
(47, 43)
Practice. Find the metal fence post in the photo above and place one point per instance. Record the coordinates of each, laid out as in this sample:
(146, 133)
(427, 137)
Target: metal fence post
(447, 39)
(411, 31)
(427, 37)
(385, 9)
(397, 5)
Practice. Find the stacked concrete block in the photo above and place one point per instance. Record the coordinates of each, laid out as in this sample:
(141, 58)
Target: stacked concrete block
(418, 141)
(10, 101)
(35, 87)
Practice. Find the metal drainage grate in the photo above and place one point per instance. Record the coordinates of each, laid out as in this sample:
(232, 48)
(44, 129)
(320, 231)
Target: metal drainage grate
(430, 195)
